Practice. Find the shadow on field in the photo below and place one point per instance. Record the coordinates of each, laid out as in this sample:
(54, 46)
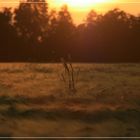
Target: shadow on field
(99, 115)
(66, 114)
(49, 113)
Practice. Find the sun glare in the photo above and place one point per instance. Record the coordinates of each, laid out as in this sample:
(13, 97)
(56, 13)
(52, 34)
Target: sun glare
(84, 3)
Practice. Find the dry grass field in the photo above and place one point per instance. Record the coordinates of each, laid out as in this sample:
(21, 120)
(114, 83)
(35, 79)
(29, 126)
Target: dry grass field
(34, 101)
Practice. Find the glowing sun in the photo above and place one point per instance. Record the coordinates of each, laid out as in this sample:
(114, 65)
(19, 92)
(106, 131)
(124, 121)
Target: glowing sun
(84, 3)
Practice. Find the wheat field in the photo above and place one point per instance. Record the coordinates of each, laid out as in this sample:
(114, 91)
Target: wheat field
(35, 102)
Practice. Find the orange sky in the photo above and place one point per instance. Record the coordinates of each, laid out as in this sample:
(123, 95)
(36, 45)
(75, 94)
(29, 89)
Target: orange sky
(80, 10)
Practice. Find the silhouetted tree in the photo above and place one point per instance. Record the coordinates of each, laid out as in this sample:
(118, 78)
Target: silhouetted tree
(8, 43)
(31, 23)
(61, 33)
(134, 40)
(34, 34)
(31, 19)
(108, 36)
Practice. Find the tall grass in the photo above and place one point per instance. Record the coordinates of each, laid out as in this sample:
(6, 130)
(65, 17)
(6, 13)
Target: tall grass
(69, 76)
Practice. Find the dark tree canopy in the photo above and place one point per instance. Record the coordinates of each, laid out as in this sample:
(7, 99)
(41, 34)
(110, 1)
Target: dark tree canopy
(33, 32)
(62, 31)
(8, 36)
(31, 20)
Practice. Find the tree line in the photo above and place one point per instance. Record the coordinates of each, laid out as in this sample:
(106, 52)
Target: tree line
(34, 33)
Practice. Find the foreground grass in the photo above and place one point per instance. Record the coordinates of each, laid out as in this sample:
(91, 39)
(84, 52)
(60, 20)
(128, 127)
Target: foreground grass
(35, 102)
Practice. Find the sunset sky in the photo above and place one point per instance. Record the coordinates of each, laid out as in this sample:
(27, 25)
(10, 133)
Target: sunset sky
(80, 8)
